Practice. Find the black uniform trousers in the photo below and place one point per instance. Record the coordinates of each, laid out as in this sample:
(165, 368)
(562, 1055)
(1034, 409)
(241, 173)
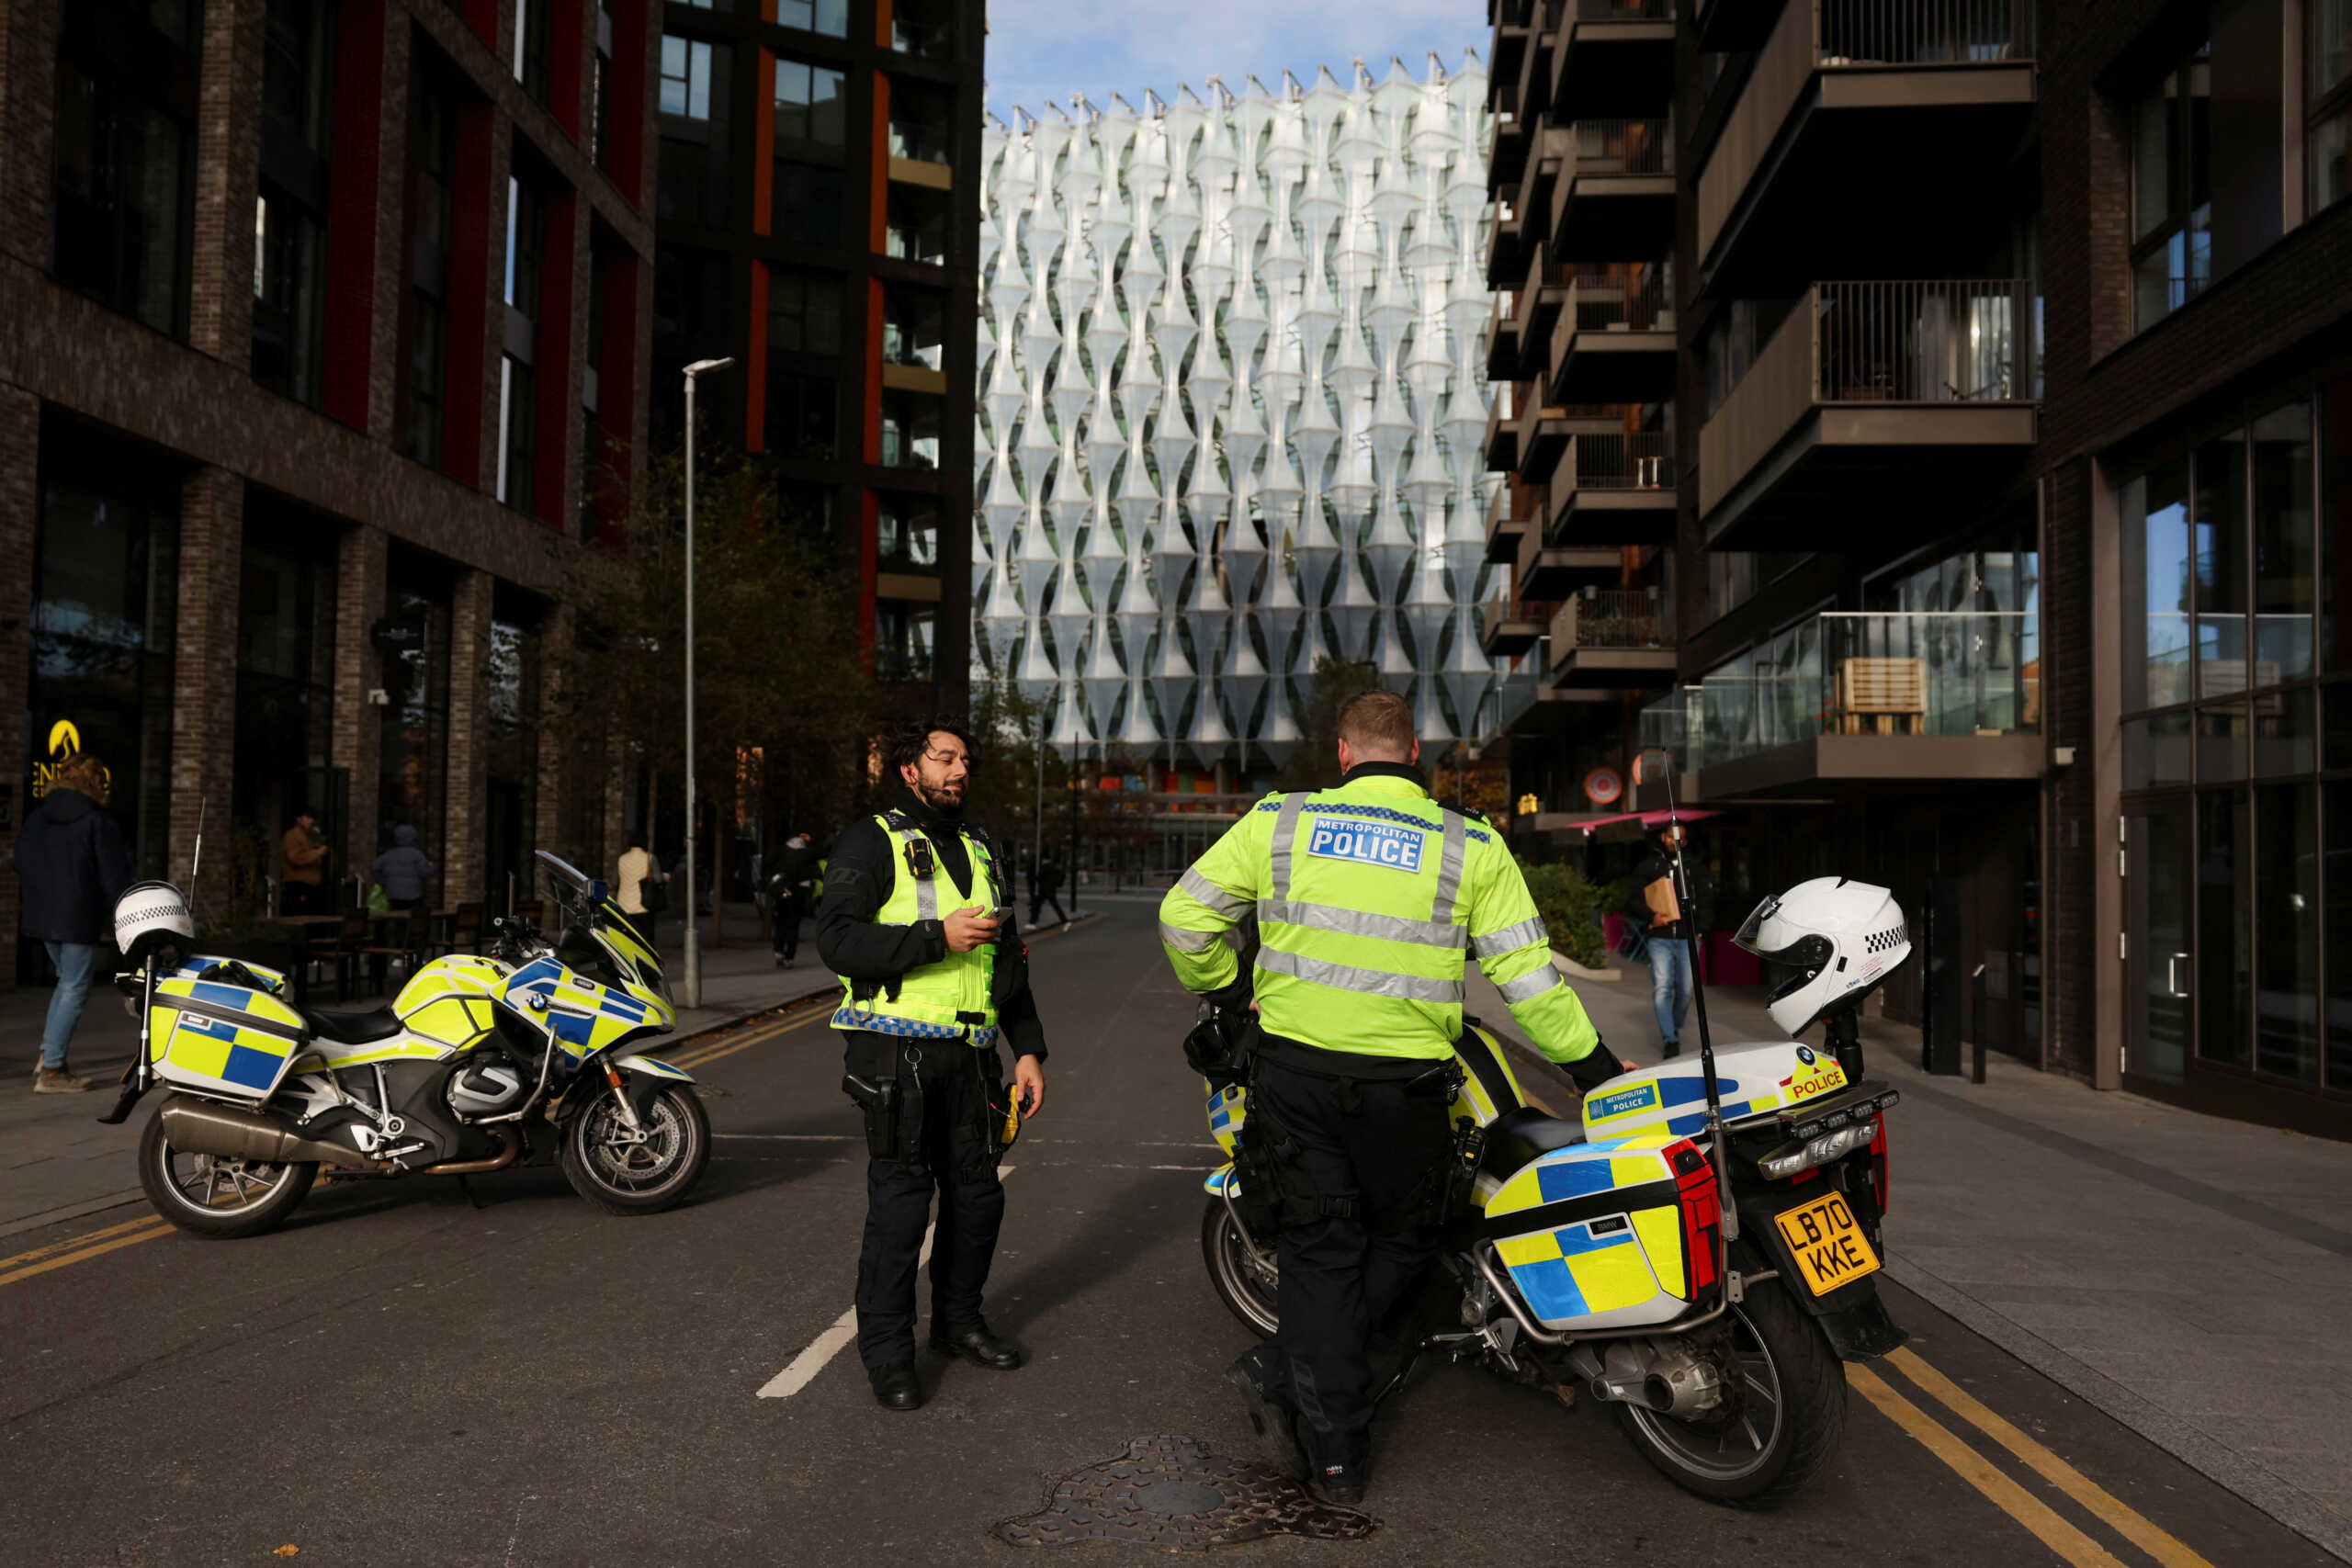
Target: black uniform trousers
(788, 912)
(947, 1137)
(1372, 1141)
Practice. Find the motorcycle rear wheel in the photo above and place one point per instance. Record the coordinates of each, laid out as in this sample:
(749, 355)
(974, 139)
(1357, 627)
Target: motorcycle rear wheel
(1795, 1417)
(1244, 1277)
(217, 1197)
(622, 1176)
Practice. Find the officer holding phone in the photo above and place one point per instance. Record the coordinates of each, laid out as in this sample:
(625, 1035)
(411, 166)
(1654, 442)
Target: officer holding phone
(916, 922)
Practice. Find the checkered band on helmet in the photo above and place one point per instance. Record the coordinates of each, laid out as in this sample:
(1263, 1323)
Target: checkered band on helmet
(1885, 941)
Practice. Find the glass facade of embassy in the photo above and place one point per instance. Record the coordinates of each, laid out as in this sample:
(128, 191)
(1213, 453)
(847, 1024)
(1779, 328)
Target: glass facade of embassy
(1232, 394)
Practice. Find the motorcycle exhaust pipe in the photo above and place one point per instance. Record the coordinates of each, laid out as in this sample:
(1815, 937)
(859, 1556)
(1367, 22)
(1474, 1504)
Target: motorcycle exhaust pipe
(509, 1150)
(199, 1127)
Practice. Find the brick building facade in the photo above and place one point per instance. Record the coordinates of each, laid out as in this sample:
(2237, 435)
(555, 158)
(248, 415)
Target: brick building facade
(324, 371)
(2012, 482)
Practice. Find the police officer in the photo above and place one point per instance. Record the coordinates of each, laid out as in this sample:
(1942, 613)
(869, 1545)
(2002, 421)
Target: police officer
(1369, 899)
(916, 920)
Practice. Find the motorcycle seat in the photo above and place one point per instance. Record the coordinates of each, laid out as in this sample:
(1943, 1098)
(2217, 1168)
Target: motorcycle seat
(1520, 1135)
(352, 1028)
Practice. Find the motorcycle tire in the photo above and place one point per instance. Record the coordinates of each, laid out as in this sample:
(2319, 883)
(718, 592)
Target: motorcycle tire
(605, 1170)
(1243, 1277)
(1784, 1350)
(240, 1197)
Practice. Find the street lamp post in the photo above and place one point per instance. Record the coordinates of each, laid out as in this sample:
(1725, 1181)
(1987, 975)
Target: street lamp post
(694, 935)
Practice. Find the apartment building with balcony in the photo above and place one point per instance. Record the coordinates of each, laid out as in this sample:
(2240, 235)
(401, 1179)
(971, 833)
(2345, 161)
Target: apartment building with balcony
(819, 222)
(322, 348)
(2014, 352)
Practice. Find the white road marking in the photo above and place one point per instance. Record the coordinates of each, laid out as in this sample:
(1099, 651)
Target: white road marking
(805, 1367)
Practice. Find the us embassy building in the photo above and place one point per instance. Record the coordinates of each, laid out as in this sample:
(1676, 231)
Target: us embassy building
(1232, 399)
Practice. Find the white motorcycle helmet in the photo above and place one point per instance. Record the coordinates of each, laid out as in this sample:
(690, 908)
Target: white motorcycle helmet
(150, 917)
(1842, 938)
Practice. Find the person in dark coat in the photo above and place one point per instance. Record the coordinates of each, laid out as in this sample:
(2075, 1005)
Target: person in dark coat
(72, 865)
(402, 870)
(791, 891)
(1046, 887)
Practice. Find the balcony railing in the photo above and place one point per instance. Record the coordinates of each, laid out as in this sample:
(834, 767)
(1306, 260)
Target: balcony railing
(1910, 673)
(1617, 297)
(1925, 342)
(915, 140)
(1922, 32)
(1503, 611)
(1625, 10)
(1608, 617)
(1641, 461)
(1624, 147)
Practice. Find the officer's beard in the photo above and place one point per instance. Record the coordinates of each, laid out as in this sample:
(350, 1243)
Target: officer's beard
(942, 800)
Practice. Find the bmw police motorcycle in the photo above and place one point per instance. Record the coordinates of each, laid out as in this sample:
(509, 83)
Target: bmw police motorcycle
(529, 1055)
(1697, 1250)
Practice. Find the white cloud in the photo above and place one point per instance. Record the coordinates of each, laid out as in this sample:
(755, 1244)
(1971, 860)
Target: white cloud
(1041, 51)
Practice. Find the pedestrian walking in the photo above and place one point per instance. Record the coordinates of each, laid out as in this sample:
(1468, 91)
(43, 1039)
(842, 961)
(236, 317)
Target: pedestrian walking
(637, 888)
(1046, 887)
(790, 889)
(402, 871)
(72, 865)
(301, 866)
(916, 922)
(1370, 897)
(1668, 924)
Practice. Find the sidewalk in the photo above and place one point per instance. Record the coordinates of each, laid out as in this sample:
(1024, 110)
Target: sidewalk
(2185, 1274)
(57, 1163)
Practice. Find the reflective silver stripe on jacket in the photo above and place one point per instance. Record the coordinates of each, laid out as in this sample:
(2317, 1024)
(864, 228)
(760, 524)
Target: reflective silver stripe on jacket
(1449, 867)
(1359, 922)
(1286, 829)
(1232, 906)
(1527, 987)
(1187, 941)
(1364, 982)
(1494, 944)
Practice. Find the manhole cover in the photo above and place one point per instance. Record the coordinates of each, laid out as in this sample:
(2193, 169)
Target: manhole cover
(1171, 1491)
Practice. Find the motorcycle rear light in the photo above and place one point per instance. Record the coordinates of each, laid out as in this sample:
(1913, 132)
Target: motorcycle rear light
(1701, 1216)
(1878, 1166)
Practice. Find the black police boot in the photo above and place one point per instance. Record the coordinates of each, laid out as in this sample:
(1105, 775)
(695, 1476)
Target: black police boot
(896, 1387)
(1340, 1483)
(1270, 1416)
(980, 1345)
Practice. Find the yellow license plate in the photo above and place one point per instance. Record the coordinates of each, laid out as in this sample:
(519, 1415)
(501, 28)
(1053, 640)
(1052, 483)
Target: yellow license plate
(1829, 1246)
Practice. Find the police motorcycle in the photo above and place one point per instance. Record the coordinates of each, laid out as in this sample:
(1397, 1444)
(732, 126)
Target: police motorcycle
(1696, 1250)
(529, 1055)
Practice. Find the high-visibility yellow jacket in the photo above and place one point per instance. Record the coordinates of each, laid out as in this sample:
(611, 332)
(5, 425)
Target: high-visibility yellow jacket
(1371, 898)
(952, 999)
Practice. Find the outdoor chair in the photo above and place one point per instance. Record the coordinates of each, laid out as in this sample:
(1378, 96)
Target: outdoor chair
(1876, 695)
(416, 934)
(350, 944)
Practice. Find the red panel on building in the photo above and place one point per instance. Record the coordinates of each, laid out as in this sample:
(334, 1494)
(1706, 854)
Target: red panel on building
(351, 213)
(550, 459)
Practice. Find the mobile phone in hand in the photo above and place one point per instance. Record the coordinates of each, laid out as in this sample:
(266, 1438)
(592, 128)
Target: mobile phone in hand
(1000, 914)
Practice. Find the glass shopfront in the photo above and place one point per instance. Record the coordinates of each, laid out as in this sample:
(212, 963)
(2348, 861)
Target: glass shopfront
(413, 641)
(2236, 751)
(284, 684)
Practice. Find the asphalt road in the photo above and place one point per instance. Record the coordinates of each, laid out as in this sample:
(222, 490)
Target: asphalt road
(401, 1378)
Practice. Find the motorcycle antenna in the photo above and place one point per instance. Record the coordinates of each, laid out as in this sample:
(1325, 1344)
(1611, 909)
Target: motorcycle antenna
(1698, 995)
(195, 861)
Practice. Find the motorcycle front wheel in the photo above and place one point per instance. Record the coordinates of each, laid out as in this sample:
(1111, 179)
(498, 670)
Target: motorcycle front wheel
(1243, 1275)
(1792, 1419)
(644, 1171)
(213, 1196)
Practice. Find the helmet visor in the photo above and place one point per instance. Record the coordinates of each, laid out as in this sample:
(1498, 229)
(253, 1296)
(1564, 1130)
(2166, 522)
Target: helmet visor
(1755, 923)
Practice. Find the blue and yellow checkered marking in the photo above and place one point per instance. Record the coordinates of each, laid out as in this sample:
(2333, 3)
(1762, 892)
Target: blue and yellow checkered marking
(850, 1017)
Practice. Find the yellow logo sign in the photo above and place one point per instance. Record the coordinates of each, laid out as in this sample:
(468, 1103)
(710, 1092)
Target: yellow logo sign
(64, 744)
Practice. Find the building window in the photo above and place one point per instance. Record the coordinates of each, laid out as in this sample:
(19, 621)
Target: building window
(525, 240)
(906, 535)
(412, 753)
(807, 206)
(2172, 197)
(427, 316)
(811, 104)
(804, 311)
(2327, 146)
(925, 29)
(827, 17)
(531, 46)
(913, 328)
(901, 641)
(517, 422)
(290, 208)
(916, 224)
(693, 172)
(922, 123)
(911, 426)
(125, 149)
(285, 680)
(600, 91)
(803, 415)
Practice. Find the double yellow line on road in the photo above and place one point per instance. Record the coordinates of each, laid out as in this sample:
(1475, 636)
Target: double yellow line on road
(727, 1044)
(2047, 1525)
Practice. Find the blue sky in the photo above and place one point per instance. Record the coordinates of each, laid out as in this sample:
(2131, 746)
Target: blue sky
(1043, 50)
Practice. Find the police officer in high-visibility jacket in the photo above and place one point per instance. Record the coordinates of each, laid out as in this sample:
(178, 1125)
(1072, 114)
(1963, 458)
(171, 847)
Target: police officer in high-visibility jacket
(916, 919)
(1369, 899)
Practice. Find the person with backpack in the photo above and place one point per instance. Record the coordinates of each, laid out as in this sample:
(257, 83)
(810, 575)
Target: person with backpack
(1665, 924)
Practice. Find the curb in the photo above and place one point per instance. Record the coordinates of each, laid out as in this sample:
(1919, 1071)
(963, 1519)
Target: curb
(2299, 1512)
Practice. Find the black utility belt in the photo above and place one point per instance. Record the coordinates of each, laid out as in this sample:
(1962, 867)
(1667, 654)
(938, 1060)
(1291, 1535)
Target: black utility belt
(1316, 1062)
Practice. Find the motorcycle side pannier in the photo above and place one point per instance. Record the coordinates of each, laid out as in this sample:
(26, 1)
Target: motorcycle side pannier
(221, 1038)
(1616, 1235)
